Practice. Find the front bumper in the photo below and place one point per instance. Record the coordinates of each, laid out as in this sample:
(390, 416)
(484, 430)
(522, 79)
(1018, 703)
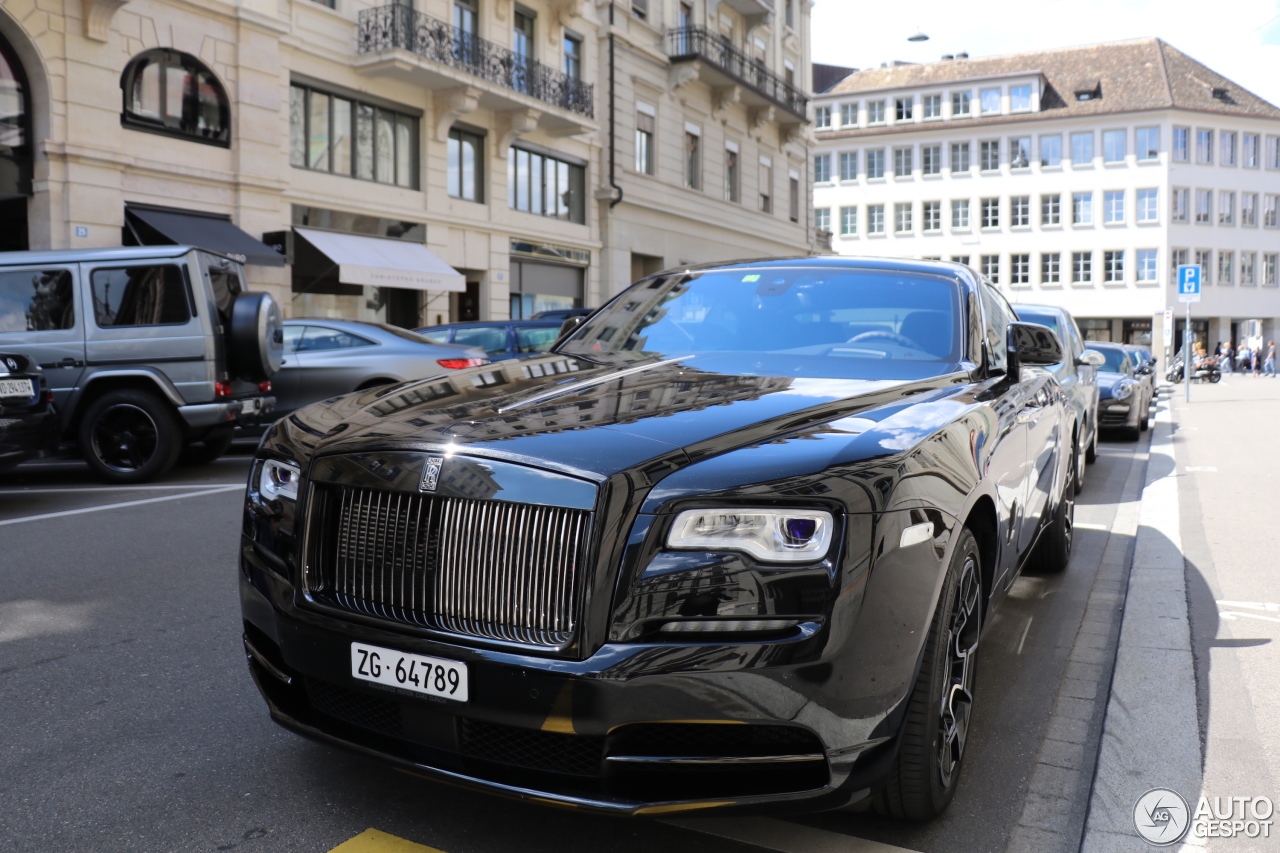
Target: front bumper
(632, 730)
(1112, 415)
(26, 435)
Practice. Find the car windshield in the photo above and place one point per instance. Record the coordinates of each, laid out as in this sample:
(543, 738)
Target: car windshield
(1115, 359)
(1044, 318)
(824, 321)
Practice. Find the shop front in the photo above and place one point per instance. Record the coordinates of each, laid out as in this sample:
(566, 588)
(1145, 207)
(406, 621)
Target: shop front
(546, 278)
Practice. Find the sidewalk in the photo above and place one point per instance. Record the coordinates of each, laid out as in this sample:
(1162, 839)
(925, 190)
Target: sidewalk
(1194, 704)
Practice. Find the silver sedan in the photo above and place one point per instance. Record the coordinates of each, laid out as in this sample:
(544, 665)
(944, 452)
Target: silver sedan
(324, 358)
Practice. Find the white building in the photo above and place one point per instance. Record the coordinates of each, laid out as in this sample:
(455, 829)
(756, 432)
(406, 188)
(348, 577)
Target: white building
(1078, 177)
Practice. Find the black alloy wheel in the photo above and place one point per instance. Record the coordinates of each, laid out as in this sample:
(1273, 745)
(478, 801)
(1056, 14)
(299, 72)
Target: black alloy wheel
(1054, 548)
(926, 770)
(129, 436)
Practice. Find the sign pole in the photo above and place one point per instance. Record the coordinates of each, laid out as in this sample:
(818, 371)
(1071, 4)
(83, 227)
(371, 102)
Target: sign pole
(1186, 355)
(1188, 292)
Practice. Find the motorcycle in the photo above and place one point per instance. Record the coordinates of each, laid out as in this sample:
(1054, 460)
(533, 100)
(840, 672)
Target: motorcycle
(1206, 369)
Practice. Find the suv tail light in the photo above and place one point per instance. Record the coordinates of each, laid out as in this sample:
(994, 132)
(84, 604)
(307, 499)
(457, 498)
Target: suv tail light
(459, 363)
(221, 389)
(265, 386)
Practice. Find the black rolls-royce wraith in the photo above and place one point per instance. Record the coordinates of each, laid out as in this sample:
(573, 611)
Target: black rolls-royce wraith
(730, 543)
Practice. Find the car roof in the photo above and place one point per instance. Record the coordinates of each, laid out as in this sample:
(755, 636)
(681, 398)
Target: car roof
(860, 262)
(119, 253)
(1049, 309)
(470, 323)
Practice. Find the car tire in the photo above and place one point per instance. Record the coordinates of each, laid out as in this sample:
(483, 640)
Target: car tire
(129, 436)
(207, 449)
(1054, 549)
(1144, 419)
(1079, 467)
(1091, 454)
(926, 771)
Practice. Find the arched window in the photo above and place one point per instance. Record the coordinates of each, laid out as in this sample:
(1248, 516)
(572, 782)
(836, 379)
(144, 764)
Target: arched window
(175, 94)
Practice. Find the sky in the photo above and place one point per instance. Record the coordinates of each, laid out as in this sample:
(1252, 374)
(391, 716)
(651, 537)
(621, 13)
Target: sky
(1239, 39)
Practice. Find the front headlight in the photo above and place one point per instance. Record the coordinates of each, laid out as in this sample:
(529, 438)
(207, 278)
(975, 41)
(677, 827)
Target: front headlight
(773, 535)
(1122, 391)
(279, 480)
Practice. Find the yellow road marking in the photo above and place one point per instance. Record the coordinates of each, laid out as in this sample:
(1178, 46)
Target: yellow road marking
(373, 841)
(781, 835)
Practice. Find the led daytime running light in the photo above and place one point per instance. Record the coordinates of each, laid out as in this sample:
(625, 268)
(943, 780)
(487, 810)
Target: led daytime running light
(771, 535)
(279, 480)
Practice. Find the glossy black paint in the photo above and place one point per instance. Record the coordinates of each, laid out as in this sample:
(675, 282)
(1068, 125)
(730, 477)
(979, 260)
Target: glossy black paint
(29, 426)
(945, 444)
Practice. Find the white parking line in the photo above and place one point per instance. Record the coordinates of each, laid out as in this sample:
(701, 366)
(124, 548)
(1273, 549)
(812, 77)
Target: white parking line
(773, 834)
(25, 491)
(218, 490)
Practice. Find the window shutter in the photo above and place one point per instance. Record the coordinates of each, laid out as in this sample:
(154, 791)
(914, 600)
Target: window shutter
(644, 122)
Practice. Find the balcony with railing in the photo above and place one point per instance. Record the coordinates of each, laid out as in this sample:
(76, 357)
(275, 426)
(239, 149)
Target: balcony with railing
(399, 41)
(724, 64)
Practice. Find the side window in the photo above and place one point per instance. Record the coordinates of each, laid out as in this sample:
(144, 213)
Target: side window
(36, 301)
(292, 337)
(1076, 343)
(140, 296)
(535, 338)
(492, 338)
(998, 317)
(319, 338)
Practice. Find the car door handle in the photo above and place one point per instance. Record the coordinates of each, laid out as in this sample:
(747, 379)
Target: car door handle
(1030, 414)
(70, 362)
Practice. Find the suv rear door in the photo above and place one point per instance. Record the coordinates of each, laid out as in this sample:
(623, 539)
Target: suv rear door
(40, 317)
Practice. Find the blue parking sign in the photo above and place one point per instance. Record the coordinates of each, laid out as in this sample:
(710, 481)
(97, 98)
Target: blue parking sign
(1189, 283)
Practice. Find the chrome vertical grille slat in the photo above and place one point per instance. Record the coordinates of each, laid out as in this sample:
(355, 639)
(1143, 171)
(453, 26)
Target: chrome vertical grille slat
(493, 569)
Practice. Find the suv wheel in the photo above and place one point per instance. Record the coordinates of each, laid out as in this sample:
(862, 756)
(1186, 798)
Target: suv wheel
(130, 436)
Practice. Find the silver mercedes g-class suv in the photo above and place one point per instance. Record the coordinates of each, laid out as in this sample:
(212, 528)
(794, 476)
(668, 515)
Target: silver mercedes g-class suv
(151, 352)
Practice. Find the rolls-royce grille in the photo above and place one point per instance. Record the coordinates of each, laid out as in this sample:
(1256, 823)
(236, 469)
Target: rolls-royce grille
(493, 569)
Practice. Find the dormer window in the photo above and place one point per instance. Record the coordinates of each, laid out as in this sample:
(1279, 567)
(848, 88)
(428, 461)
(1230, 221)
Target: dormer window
(175, 94)
(1089, 94)
(1220, 93)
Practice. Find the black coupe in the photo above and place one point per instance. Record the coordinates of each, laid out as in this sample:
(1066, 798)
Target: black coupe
(731, 543)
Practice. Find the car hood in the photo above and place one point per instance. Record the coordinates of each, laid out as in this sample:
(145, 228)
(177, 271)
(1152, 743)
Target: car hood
(1109, 381)
(598, 419)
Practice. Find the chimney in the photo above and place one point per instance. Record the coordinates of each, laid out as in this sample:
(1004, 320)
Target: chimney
(946, 57)
(964, 55)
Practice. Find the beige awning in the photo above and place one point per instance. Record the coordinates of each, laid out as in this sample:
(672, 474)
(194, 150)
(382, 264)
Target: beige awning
(383, 262)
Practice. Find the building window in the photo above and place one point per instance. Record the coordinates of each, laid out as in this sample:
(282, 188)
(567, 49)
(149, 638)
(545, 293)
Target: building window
(1146, 265)
(328, 133)
(693, 162)
(1249, 209)
(821, 168)
(1226, 208)
(848, 165)
(639, 8)
(1249, 154)
(960, 259)
(1148, 142)
(960, 213)
(1081, 150)
(1113, 207)
(1204, 147)
(1051, 209)
(875, 112)
(875, 163)
(822, 117)
(766, 185)
(1019, 270)
(902, 217)
(572, 57)
(989, 155)
(1082, 208)
(1180, 144)
(848, 114)
(731, 177)
(1273, 152)
(902, 109)
(1019, 98)
(544, 185)
(932, 105)
(959, 157)
(645, 130)
(1050, 268)
(1113, 146)
(989, 265)
(1204, 207)
(902, 164)
(1227, 148)
(930, 159)
(1226, 261)
(466, 165)
(822, 219)
(1148, 205)
(1269, 263)
(1113, 266)
(1270, 211)
(990, 100)
(1081, 267)
(1204, 260)
(875, 219)
(1020, 152)
(1247, 261)
(793, 197)
(931, 215)
(960, 103)
(1177, 258)
(1178, 212)
(989, 212)
(174, 94)
(1020, 211)
(848, 221)
(1051, 151)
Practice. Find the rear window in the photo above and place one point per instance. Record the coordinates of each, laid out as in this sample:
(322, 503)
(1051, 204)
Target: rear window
(225, 281)
(140, 296)
(36, 301)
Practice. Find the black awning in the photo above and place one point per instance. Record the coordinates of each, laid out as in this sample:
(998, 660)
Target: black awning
(171, 225)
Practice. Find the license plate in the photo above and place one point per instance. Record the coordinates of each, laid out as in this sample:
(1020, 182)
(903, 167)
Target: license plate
(250, 406)
(16, 388)
(432, 676)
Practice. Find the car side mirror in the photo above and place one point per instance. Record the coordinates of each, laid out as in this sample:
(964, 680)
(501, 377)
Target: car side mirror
(567, 328)
(1033, 344)
(1091, 358)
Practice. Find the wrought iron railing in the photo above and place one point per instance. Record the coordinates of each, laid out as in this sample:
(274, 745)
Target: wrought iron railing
(687, 43)
(400, 27)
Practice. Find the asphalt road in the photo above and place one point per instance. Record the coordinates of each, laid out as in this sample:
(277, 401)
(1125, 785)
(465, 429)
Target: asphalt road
(128, 720)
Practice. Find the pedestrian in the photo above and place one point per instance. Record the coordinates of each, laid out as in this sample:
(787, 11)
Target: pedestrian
(1226, 357)
(1242, 358)
(1269, 366)
(1256, 359)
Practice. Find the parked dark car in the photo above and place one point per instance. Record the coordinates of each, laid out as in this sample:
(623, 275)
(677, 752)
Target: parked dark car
(782, 494)
(499, 338)
(562, 314)
(1124, 402)
(324, 358)
(1144, 368)
(28, 421)
(1077, 373)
